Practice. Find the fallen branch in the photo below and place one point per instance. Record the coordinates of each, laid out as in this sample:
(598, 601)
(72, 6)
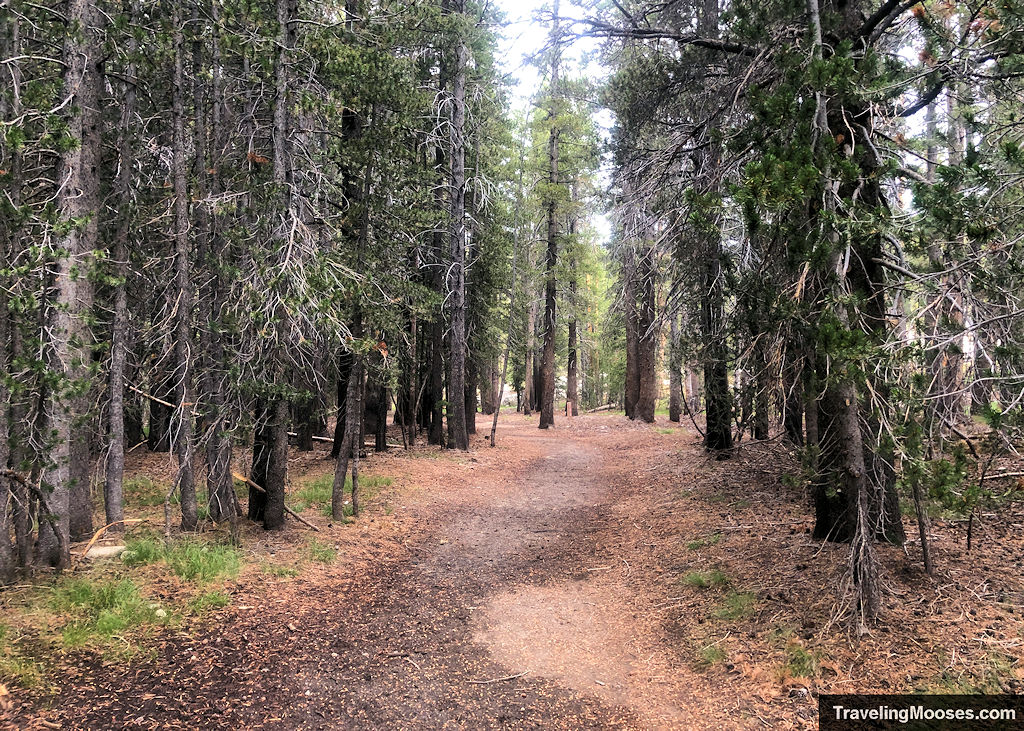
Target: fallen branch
(315, 438)
(101, 531)
(499, 680)
(606, 407)
(1004, 475)
(259, 488)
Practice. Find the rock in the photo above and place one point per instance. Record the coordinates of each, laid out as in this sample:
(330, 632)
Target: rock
(105, 551)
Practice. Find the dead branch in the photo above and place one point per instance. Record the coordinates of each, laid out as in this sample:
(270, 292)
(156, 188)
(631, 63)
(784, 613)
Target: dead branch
(259, 488)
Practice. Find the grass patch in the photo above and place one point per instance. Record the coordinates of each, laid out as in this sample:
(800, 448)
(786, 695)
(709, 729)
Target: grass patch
(102, 610)
(700, 543)
(274, 569)
(664, 430)
(142, 551)
(736, 605)
(706, 579)
(321, 552)
(198, 561)
(143, 492)
(14, 666)
(800, 663)
(190, 559)
(988, 679)
(209, 600)
(317, 493)
(710, 656)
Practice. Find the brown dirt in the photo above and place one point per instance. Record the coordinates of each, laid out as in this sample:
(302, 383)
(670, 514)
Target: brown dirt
(560, 556)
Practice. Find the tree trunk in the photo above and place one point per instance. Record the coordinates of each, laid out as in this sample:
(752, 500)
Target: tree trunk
(67, 351)
(350, 443)
(632, 386)
(221, 498)
(647, 338)
(276, 426)
(675, 371)
(181, 427)
(547, 395)
(717, 397)
(457, 428)
(344, 373)
(531, 327)
(572, 391)
(113, 492)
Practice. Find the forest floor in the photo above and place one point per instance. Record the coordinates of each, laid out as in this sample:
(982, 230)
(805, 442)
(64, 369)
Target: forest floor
(599, 574)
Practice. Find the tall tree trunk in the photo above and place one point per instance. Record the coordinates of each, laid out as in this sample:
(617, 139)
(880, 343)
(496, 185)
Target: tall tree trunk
(632, 386)
(412, 393)
(221, 498)
(113, 492)
(531, 329)
(457, 428)
(67, 352)
(675, 371)
(181, 429)
(276, 424)
(647, 337)
(717, 397)
(547, 395)
(81, 524)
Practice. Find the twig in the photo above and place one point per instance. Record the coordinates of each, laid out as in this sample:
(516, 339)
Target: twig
(498, 680)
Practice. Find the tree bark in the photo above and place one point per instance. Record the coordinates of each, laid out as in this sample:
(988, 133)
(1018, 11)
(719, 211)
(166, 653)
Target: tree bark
(675, 371)
(547, 396)
(647, 338)
(113, 492)
(632, 386)
(182, 435)
(457, 429)
(67, 353)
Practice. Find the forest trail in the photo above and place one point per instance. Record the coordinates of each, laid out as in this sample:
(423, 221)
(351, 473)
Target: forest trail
(546, 568)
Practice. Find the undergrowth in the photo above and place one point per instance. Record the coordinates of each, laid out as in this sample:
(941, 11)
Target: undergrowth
(317, 493)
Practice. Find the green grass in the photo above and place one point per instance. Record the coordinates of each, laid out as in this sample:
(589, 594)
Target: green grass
(99, 611)
(710, 656)
(143, 492)
(700, 543)
(190, 559)
(706, 579)
(800, 663)
(321, 552)
(209, 600)
(199, 561)
(14, 666)
(273, 569)
(317, 493)
(736, 605)
(142, 551)
(988, 679)
(664, 430)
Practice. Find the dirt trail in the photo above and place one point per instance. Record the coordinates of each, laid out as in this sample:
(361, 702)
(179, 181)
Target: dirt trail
(510, 571)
